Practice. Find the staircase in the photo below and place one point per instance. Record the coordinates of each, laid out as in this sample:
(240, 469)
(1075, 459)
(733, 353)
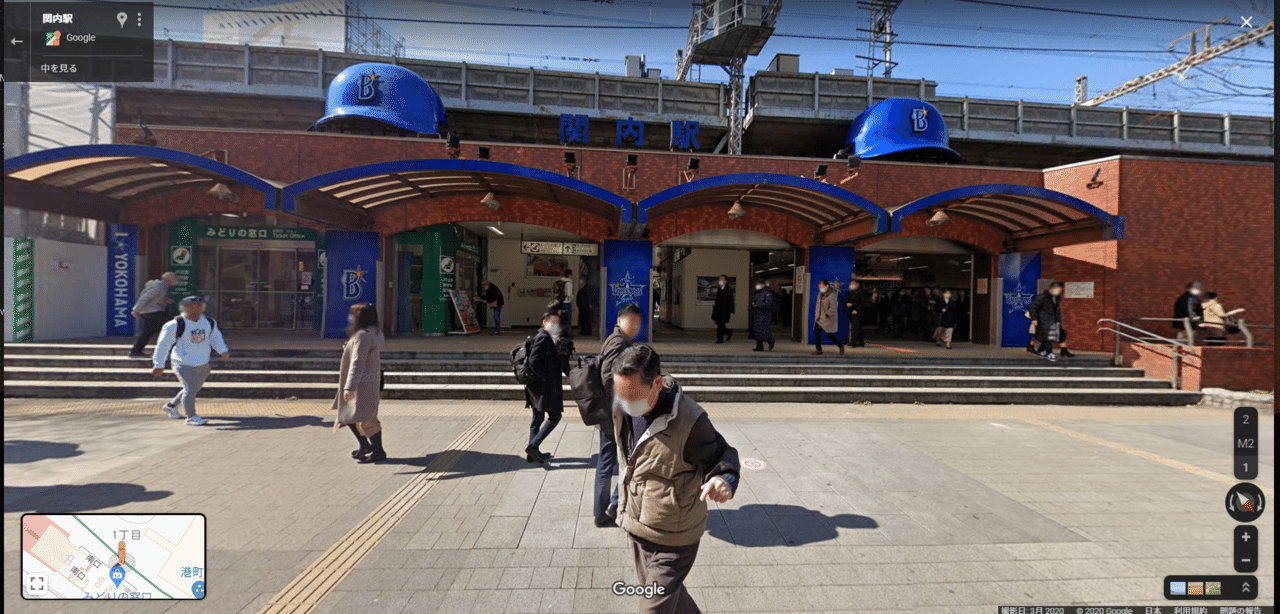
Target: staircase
(106, 372)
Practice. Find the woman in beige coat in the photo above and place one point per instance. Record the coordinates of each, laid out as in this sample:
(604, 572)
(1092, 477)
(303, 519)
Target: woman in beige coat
(1217, 320)
(360, 383)
(824, 317)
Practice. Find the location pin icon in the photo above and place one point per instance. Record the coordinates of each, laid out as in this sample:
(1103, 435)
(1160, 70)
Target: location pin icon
(117, 575)
(122, 17)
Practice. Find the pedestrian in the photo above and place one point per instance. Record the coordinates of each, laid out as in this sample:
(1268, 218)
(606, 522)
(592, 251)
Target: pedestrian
(930, 311)
(153, 309)
(764, 307)
(492, 296)
(1188, 306)
(360, 383)
(898, 309)
(946, 318)
(186, 341)
(824, 317)
(962, 315)
(586, 306)
(1218, 322)
(545, 396)
(606, 499)
(1045, 312)
(856, 304)
(663, 486)
(723, 310)
(562, 290)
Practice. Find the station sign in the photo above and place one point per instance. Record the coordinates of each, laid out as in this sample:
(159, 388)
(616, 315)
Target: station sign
(566, 249)
(238, 232)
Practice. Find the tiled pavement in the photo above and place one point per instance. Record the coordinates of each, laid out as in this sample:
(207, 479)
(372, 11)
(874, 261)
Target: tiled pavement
(857, 508)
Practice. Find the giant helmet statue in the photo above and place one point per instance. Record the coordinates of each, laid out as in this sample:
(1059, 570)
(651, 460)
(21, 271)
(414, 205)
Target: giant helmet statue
(900, 129)
(371, 93)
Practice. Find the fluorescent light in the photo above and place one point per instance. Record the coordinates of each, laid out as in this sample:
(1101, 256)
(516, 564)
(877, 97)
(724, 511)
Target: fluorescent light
(775, 268)
(912, 268)
(791, 265)
(496, 230)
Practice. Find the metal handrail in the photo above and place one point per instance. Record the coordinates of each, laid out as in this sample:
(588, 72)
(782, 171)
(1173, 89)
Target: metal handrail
(1191, 330)
(1176, 349)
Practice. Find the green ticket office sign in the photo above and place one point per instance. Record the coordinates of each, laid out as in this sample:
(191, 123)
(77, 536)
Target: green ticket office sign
(257, 234)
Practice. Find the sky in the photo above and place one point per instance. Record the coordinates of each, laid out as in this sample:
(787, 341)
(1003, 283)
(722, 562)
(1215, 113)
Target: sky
(1053, 44)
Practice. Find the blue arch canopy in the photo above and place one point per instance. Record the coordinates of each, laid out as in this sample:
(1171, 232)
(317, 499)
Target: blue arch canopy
(1033, 217)
(813, 201)
(95, 181)
(384, 183)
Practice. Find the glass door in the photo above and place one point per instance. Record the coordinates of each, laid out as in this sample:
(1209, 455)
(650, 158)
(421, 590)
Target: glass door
(238, 301)
(265, 289)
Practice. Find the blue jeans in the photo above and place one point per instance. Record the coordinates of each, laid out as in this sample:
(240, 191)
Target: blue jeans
(497, 318)
(567, 320)
(541, 426)
(606, 468)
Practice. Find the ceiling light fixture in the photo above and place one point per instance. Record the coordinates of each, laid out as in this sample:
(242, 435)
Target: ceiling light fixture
(490, 201)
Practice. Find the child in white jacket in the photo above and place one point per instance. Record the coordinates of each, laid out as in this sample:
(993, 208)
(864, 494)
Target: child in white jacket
(189, 351)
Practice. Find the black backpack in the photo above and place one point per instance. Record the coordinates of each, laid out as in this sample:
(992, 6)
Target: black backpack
(182, 325)
(557, 291)
(587, 385)
(520, 362)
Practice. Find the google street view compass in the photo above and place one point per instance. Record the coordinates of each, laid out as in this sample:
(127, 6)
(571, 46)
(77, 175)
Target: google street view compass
(1245, 502)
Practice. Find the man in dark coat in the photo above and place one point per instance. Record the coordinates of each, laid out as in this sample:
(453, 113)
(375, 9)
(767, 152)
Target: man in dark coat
(586, 301)
(899, 306)
(1188, 306)
(1045, 312)
(606, 499)
(856, 306)
(723, 310)
(492, 297)
(546, 394)
(564, 343)
(764, 306)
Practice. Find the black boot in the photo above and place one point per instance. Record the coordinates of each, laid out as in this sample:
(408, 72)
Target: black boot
(378, 453)
(771, 345)
(531, 454)
(365, 446)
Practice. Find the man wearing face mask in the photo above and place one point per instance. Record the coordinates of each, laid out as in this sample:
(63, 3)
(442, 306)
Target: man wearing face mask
(723, 310)
(1188, 306)
(672, 461)
(606, 504)
(764, 305)
(1046, 319)
(856, 305)
(546, 394)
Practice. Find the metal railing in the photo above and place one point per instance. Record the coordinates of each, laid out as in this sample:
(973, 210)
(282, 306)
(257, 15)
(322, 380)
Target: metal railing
(1194, 333)
(1175, 347)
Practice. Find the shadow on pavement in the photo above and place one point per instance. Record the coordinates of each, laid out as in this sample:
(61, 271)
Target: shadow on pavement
(761, 525)
(27, 451)
(265, 422)
(472, 463)
(65, 498)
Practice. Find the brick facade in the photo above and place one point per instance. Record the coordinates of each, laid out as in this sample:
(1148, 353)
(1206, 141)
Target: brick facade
(1232, 368)
(1186, 219)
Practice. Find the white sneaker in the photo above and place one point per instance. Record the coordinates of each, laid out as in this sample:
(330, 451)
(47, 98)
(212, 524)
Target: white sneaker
(172, 411)
(1052, 357)
(196, 421)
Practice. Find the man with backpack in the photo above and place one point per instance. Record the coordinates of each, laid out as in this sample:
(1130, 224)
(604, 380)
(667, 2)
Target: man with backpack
(606, 499)
(186, 341)
(544, 391)
(562, 291)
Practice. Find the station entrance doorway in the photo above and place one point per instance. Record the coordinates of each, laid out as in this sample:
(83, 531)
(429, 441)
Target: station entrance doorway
(685, 275)
(256, 276)
(897, 273)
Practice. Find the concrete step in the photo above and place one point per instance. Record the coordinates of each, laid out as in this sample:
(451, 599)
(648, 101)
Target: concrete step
(1062, 368)
(745, 394)
(491, 377)
(860, 356)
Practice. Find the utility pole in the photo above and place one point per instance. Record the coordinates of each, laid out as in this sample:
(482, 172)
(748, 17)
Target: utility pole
(882, 35)
(1197, 55)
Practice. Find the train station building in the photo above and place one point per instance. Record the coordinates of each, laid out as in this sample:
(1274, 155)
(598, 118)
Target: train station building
(284, 195)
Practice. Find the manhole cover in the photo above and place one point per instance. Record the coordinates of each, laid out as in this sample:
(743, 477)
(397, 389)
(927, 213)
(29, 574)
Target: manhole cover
(752, 464)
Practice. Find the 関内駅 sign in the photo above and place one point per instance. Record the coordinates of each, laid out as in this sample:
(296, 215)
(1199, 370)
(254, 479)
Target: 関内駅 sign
(567, 249)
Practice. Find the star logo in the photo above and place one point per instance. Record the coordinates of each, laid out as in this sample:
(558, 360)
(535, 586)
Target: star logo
(353, 283)
(1019, 299)
(626, 290)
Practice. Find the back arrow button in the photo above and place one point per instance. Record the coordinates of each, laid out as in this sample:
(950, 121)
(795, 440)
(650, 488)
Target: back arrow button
(15, 41)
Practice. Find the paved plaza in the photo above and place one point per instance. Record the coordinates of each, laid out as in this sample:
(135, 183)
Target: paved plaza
(852, 507)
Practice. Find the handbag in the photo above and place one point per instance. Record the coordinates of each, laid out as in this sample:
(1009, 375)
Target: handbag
(382, 381)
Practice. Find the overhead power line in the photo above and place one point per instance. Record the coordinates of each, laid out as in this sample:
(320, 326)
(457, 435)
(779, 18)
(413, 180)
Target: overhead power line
(1079, 12)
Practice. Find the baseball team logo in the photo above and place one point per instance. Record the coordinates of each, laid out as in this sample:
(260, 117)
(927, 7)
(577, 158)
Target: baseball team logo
(367, 87)
(919, 120)
(353, 283)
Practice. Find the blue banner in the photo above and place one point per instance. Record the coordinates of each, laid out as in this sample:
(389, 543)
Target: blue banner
(122, 252)
(1020, 273)
(350, 276)
(833, 264)
(628, 264)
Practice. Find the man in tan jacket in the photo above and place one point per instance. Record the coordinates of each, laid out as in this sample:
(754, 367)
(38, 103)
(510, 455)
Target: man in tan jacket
(671, 461)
